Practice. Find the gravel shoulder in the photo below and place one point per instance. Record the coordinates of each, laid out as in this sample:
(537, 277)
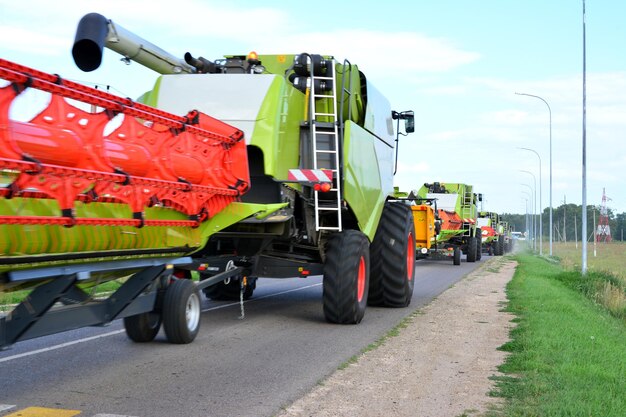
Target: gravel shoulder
(439, 364)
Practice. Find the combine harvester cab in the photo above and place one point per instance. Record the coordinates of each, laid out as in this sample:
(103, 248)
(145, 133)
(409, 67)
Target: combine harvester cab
(268, 173)
(456, 210)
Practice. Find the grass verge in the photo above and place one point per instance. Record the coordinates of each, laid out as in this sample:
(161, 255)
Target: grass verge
(566, 353)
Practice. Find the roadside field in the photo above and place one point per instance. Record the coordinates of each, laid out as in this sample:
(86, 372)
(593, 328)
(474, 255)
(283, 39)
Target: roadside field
(566, 351)
(603, 257)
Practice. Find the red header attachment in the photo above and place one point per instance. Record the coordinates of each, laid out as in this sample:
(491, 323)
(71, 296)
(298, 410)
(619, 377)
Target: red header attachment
(193, 164)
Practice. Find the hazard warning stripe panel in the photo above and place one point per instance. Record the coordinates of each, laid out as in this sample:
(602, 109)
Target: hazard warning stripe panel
(310, 175)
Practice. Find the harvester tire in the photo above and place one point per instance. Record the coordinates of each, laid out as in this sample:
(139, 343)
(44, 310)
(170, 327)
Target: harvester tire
(143, 327)
(479, 241)
(181, 312)
(471, 249)
(393, 258)
(500, 246)
(346, 277)
(456, 256)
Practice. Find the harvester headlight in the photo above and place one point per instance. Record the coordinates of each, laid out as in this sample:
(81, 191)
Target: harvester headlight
(258, 69)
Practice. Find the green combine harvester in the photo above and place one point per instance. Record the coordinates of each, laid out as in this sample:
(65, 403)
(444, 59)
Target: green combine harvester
(457, 228)
(493, 232)
(227, 171)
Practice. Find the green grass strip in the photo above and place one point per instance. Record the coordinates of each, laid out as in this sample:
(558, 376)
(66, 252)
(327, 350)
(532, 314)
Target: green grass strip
(567, 353)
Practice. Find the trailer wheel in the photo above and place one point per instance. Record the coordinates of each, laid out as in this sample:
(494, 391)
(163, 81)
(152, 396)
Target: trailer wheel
(393, 258)
(479, 242)
(471, 249)
(456, 256)
(143, 327)
(181, 312)
(346, 277)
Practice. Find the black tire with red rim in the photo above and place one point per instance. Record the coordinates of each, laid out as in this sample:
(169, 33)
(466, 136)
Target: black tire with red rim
(393, 258)
(346, 277)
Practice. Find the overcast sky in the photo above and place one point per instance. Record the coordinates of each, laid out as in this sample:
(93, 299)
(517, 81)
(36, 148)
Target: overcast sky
(456, 63)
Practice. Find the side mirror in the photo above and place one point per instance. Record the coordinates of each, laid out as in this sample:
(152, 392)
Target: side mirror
(409, 127)
(408, 117)
(409, 124)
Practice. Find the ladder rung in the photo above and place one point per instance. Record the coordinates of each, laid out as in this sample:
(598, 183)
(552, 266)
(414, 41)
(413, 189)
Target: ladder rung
(328, 208)
(324, 114)
(323, 151)
(328, 228)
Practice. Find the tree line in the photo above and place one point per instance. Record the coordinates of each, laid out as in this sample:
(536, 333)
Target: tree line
(567, 222)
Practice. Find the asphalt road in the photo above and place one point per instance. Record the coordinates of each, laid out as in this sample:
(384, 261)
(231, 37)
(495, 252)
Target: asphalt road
(235, 367)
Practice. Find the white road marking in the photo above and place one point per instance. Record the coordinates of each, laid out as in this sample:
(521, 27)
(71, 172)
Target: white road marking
(87, 339)
(62, 345)
(110, 415)
(5, 407)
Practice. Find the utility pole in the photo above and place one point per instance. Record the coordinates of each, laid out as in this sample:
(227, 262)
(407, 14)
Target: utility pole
(584, 164)
(564, 217)
(603, 232)
(575, 230)
(595, 236)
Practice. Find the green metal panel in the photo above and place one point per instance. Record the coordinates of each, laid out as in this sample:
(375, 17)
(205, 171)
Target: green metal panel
(363, 190)
(44, 240)
(446, 235)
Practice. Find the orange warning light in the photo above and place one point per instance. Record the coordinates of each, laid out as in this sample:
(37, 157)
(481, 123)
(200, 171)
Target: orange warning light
(323, 187)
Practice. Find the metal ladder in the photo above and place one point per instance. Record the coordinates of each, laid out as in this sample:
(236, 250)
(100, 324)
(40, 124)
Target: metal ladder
(325, 141)
(467, 204)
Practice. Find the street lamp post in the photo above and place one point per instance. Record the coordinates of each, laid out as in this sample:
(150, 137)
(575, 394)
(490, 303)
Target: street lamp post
(550, 113)
(540, 204)
(535, 184)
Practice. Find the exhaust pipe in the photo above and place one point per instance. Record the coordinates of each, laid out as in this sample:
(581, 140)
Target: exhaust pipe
(94, 32)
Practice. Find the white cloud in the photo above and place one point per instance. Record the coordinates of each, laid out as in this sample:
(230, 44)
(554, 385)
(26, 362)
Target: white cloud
(379, 52)
(19, 39)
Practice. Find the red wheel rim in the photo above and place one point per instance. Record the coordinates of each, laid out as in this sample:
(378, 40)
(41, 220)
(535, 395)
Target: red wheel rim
(410, 257)
(360, 282)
